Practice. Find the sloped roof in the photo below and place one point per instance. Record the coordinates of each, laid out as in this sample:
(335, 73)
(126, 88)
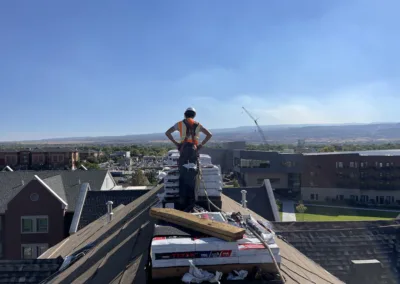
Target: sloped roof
(28, 270)
(335, 244)
(122, 248)
(66, 185)
(95, 203)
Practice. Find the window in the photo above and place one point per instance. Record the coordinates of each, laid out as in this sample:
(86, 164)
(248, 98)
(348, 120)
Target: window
(362, 165)
(61, 158)
(316, 196)
(34, 224)
(54, 159)
(351, 164)
(380, 165)
(33, 251)
(312, 196)
(339, 164)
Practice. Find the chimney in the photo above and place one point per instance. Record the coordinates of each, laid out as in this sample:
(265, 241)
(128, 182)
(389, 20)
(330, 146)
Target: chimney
(365, 271)
(244, 201)
(109, 211)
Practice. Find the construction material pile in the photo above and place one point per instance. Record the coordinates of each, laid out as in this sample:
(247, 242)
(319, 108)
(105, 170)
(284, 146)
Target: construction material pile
(210, 238)
(210, 179)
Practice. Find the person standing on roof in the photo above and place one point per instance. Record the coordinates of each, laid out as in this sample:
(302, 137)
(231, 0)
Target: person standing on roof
(188, 147)
(189, 131)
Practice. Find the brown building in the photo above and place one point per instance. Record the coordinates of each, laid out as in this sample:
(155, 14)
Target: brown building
(9, 158)
(84, 154)
(37, 208)
(367, 176)
(40, 158)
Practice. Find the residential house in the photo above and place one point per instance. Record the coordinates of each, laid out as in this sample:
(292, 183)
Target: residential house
(36, 208)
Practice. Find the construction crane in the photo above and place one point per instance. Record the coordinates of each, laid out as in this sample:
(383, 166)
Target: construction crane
(264, 140)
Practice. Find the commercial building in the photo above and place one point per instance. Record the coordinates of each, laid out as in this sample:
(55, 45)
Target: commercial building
(367, 177)
(283, 170)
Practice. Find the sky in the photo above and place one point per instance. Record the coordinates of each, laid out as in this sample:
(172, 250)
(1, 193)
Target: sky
(94, 67)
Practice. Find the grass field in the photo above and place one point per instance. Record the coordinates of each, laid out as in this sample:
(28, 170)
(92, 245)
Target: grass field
(340, 214)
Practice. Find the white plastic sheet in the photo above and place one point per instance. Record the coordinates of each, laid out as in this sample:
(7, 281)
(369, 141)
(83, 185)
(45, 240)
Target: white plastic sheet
(197, 275)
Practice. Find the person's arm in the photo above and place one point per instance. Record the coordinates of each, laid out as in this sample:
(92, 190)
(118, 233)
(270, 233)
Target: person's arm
(169, 132)
(208, 135)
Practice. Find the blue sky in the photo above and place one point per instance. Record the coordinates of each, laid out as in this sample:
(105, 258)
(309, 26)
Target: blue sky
(82, 68)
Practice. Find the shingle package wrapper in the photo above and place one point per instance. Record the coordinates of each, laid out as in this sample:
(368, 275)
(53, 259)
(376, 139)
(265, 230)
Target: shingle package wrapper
(170, 251)
(211, 181)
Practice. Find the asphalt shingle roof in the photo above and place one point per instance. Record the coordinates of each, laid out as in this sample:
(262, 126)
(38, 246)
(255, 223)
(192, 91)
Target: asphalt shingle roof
(28, 270)
(122, 246)
(95, 203)
(66, 185)
(335, 244)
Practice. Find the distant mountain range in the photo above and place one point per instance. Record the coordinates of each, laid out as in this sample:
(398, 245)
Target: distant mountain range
(333, 133)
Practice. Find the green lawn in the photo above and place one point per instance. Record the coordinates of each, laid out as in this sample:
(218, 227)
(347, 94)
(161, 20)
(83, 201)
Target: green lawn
(339, 214)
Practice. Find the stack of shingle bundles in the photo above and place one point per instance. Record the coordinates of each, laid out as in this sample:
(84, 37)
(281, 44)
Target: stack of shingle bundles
(171, 184)
(211, 180)
(175, 250)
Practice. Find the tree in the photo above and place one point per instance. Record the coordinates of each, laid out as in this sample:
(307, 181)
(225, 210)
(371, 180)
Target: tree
(139, 179)
(91, 166)
(301, 208)
(278, 204)
(151, 176)
(235, 183)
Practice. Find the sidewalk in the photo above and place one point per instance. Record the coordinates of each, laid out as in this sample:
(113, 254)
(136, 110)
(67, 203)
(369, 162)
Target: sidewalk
(288, 214)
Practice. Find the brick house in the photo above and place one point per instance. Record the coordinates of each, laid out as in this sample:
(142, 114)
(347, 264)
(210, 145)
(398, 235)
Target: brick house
(37, 208)
(40, 158)
(9, 157)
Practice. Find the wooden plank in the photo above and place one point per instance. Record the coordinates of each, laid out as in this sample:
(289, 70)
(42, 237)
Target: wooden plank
(213, 228)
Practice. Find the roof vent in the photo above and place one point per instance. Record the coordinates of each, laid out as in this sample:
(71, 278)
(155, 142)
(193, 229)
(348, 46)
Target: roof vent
(365, 271)
(109, 210)
(22, 182)
(79, 181)
(244, 201)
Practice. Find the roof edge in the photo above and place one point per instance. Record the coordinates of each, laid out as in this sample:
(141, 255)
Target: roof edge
(85, 187)
(51, 191)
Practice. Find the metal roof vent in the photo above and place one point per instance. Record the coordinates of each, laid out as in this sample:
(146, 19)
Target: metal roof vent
(22, 182)
(244, 201)
(109, 210)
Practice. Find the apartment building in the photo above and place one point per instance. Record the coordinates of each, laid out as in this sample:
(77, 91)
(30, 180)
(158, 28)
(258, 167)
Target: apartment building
(37, 208)
(40, 158)
(283, 170)
(367, 176)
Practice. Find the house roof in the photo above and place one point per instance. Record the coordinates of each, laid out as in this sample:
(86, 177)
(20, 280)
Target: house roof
(65, 184)
(121, 248)
(95, 203)
(28, 270)
(335, 244)
(54, 149)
